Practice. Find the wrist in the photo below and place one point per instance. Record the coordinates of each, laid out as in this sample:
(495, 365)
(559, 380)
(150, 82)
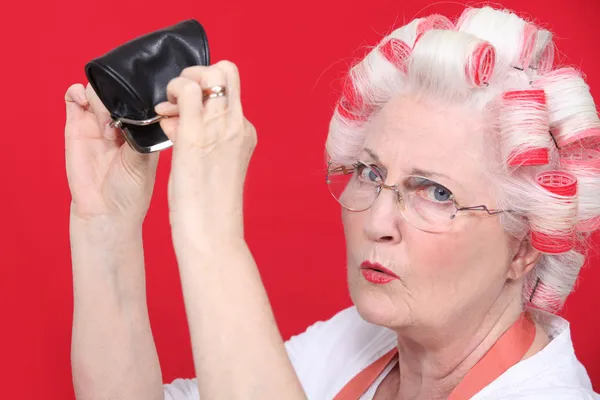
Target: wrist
(206, 231)
(103, 229)
(107, 256)
(192, 243)
(85, 216)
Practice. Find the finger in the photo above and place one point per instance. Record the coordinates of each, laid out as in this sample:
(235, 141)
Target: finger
(175, 88)
(76, 94)
(167, 109)
(209, 77)
(142, 163)
(189, 99)
(233, 84)
(169, 127)
(75, 102)
(102, 114)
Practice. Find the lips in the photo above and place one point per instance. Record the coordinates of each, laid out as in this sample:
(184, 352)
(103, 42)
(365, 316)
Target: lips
(377, 273)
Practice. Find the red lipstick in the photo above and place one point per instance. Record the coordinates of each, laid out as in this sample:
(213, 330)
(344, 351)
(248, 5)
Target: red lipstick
(377, 273)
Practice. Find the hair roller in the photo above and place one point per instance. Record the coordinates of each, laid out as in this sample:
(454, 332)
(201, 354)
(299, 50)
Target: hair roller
(543, 53)
(585, 164)
(434, 21)
(553, 218)
(396, 52)
(527, 46)
(572, 112)
(464, 16)
(537, 292)
(524, 128)
(473, 62)
(480, 64)
(352, 105)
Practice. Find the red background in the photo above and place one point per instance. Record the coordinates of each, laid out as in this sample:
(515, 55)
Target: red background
(291, 56)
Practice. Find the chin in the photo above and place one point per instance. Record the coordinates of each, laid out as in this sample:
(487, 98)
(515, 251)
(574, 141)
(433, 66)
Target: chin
(376, 303)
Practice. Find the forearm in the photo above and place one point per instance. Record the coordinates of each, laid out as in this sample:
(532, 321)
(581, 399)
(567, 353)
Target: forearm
(113, 352)
(238, 350)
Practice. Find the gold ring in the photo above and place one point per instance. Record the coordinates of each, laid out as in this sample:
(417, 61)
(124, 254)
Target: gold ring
(213, 91)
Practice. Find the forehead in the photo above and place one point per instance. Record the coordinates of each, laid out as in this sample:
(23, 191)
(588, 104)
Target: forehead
(416, 134)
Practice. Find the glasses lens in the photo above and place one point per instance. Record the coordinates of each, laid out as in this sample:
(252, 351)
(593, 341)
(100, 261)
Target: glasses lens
(428, 205)
(354, 186)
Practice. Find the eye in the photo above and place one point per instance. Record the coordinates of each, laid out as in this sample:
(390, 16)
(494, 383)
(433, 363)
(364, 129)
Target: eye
(440, 193)
(367, 173)
(430, 190)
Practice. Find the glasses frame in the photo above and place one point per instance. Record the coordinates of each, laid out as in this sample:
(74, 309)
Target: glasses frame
(346, 169)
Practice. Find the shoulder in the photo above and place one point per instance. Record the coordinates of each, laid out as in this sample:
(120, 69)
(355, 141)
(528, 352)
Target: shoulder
(554, 372)
(325, 356)
(344, 333)
(554, 393)
(329, 353)
(181, 389)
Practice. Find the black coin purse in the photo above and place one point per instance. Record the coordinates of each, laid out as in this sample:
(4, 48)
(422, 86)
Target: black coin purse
(132, 78)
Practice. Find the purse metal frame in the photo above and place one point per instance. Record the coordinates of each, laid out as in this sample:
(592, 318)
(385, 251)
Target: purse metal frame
(118, 123)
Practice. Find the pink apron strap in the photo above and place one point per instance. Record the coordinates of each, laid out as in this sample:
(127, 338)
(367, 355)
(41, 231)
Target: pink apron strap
(508, 350)
(361, 382)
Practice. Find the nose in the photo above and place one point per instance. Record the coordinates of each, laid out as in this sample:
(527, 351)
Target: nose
(383, 220)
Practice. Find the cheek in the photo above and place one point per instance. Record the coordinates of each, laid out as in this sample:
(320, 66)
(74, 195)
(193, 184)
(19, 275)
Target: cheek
(352, 224)
(431, 256)
(462, 260)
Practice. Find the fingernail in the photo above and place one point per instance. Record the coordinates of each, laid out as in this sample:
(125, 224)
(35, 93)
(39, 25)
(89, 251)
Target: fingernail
(169, 127)
(161, 108)
(110, 133)
(82, 100)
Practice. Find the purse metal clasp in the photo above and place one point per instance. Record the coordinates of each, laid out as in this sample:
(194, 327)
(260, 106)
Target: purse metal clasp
(117, 122)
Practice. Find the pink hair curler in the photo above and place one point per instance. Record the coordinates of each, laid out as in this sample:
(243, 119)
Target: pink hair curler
(546, 58)
(587, 138)
(528, 46)
(558, 182)
(580, 157)
(524, 127)
(396, 52)
(585, 163)
(538, 96)
(434, 21)
(465, 16)
(351, 105)
(564, 186)
(480, 65)
(532, 157)
(573, 114)
(540, 294)
(552, 244)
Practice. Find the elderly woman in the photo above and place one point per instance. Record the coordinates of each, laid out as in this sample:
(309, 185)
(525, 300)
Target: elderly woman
(468, 177)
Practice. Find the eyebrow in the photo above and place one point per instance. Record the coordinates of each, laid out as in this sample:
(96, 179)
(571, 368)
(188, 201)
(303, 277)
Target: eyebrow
(413, 171)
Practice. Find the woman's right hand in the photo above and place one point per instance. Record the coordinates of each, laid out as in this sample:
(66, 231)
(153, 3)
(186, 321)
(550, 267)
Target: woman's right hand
(113, 353)
(107, 178)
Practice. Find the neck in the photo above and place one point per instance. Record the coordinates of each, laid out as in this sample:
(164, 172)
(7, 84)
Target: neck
(432, 362)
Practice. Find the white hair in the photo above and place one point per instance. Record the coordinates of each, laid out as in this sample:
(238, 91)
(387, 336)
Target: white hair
(545, 131)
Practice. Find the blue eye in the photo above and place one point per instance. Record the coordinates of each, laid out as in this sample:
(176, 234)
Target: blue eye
(367, 174)
(429, 190)
(441, 193)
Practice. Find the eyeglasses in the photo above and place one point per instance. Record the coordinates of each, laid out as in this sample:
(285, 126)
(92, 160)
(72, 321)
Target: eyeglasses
(425, 204)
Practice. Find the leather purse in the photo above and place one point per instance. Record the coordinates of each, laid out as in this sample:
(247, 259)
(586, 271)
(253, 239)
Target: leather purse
(132, 78)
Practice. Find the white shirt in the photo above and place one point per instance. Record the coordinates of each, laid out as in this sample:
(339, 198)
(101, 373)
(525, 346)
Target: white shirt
(330, 353)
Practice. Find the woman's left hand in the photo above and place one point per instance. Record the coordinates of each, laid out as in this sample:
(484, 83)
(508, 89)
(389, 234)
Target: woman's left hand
(213, 144)
(238, 350)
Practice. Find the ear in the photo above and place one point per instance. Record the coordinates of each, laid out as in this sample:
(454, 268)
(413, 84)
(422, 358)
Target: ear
(524, 260)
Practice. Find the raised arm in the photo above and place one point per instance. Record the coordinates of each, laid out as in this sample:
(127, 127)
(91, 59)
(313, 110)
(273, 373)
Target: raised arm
(238, 350)
(113, 354)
